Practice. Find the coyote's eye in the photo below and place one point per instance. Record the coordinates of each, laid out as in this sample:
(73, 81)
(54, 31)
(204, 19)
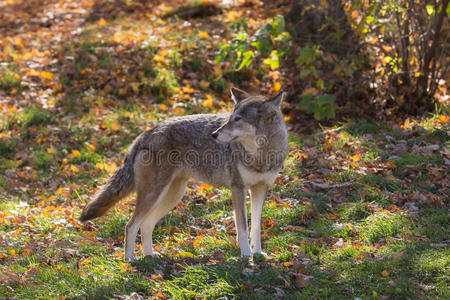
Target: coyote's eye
(236, 119)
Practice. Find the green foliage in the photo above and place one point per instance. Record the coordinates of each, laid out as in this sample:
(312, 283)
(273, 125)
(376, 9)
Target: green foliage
(35, 116)
(9, 80)
(272, 40)
(306, 59)
(42, 160)
(6, 147)
(383, 226)
(321, 106)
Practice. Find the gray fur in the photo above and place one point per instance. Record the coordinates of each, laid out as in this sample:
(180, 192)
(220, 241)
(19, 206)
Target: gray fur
(161, 161)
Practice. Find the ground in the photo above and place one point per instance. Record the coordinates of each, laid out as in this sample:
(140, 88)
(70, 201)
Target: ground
(360, 209)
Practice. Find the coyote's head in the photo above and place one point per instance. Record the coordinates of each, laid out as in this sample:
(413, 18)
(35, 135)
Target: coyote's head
(252, 119)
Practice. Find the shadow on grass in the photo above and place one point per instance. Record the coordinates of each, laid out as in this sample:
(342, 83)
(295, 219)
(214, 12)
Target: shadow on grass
(415, 271)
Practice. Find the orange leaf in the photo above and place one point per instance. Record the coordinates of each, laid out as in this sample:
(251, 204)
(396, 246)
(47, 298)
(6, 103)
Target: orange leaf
(276, 87)
(406, 124)
(198, 240)
(101, 22)
(356, 157)
(209, 101)
(203, 35)
(74, 153)
(385, 273)
(161, 295)
(354, 14)
(115, 126)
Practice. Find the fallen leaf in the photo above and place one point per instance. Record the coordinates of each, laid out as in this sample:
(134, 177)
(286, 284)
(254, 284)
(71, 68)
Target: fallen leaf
(101, 22)
(302, 280)
(203, 35)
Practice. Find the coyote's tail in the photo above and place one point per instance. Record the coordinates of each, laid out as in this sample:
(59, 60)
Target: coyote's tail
(119, 185)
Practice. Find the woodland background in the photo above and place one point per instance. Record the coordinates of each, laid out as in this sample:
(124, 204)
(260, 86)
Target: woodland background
(359, 211)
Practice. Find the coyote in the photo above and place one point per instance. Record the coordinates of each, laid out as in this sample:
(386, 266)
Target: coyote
(244, 149)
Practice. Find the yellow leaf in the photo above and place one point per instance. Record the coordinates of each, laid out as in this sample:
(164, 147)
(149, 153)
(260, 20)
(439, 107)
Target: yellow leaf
(115, 126)
(309, 91)
(47, 75)
(91, 146)
(52, 150)
(356, 157)
(276, 86)
(209, 101)
(125, 268)
(232, 16)
(186, 254)
(59, 191)
(85, 262)
(188, 89)
(203, 35)
(287, 263)
(75, 153)
(163, 107)
(74, 169)
(101, 22)
(178, 111)
(110, 167)
(164, 52)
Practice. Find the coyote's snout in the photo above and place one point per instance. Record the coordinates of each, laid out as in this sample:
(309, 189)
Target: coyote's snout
(242, 150)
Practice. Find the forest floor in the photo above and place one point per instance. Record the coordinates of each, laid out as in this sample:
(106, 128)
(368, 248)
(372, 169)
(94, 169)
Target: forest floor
(360, 209)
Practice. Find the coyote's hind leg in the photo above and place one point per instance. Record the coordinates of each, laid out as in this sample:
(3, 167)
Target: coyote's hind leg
(148, 194)
(173, 195)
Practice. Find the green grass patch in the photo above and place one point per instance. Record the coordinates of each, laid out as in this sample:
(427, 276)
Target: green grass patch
(383, 226)
(35, 116)
(10, 80)
(6, 146)
(42, 160)
(381, 182)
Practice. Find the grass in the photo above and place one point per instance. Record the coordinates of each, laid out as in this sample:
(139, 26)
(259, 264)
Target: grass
(360, 247)
(10, 81)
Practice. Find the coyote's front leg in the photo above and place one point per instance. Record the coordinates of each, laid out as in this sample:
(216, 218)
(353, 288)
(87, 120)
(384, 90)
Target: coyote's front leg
(258, 195)
(240, 219)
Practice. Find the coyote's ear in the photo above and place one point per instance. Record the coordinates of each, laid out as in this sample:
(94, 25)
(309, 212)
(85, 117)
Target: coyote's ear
(238, 95)
(277, 99)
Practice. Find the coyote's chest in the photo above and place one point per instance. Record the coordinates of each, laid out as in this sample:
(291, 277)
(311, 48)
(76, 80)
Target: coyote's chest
(251, 177)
